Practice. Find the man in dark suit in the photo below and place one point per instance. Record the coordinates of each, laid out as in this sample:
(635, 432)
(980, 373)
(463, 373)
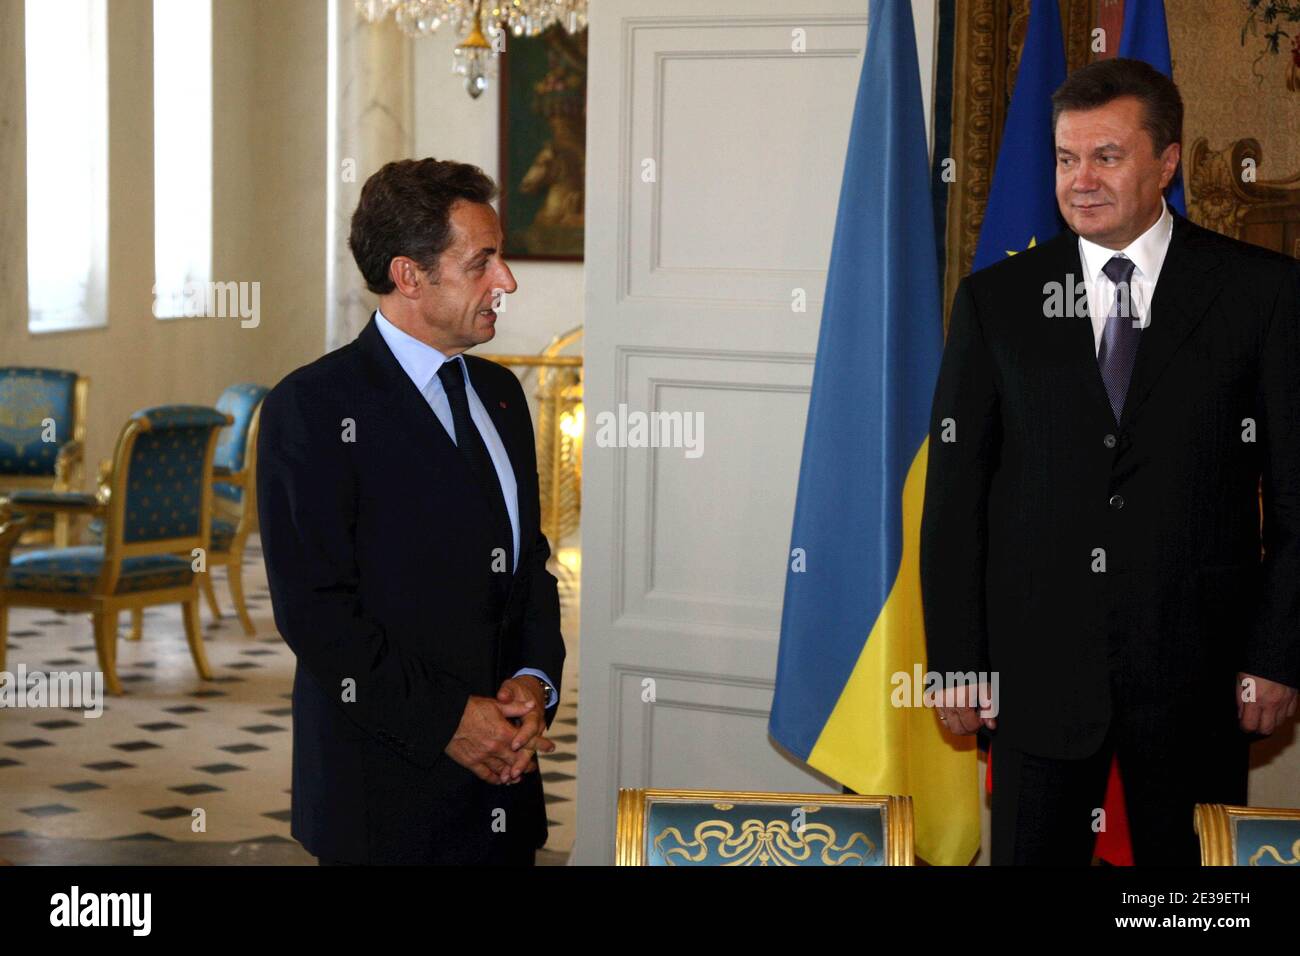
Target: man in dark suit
(397, 492)
(1108, 405)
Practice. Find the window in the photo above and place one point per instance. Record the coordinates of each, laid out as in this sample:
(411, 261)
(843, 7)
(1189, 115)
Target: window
(67, 164)
(182, 144)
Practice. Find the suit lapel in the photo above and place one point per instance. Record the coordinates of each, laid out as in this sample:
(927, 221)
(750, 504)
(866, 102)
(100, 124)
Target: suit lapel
(424, 432)
(1183, 294)
(494, 402)
(1186, 289)
(1065, 265)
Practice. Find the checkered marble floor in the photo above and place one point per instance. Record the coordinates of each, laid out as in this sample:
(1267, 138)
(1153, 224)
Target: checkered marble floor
(174, 743)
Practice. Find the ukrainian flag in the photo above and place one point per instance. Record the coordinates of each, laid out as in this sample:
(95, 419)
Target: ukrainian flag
(852, 617)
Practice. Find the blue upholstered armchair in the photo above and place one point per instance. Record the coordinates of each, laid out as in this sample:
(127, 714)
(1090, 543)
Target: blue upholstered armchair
(155, 513)
(1247, 836)
(718, 828)
(42, 431)
(234, 511)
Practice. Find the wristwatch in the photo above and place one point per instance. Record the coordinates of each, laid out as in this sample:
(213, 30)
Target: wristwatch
(549, 693)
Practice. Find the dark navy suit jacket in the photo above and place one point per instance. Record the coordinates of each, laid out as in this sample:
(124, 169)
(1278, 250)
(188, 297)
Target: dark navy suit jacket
(378, 544)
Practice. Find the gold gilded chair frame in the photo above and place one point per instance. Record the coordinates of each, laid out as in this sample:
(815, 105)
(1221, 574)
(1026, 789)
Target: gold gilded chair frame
(67, 472)
(630, 835)
(1214, 826)
(101, 602)
(232, 559)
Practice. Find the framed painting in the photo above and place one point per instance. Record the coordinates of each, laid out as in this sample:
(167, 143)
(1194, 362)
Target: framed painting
(543, 145)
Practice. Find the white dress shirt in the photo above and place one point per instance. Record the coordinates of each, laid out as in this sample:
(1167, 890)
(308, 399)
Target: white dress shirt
(421, 363)
(1148, 254)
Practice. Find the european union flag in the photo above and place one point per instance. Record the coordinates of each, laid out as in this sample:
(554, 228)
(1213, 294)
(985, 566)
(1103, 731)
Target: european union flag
(1022, 210)
(1146, 37)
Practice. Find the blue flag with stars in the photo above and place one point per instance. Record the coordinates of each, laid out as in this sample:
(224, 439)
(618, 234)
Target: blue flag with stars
(1146, 38)
(1021, 211)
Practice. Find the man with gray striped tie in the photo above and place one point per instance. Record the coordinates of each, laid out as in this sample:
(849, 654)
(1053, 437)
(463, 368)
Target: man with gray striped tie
(1091, 529)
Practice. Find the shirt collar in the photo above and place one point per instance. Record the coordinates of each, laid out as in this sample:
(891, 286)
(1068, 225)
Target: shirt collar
(419, 361)
(1147, 251)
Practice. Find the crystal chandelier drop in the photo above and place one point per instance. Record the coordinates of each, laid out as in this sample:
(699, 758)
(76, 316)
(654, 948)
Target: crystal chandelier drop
(482, 26)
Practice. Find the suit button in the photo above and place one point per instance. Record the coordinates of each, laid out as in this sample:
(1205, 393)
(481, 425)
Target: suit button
(1117, 501)
(1109, 441)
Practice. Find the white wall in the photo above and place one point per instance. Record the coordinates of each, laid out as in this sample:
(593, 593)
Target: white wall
(450, 125)
(268, 192)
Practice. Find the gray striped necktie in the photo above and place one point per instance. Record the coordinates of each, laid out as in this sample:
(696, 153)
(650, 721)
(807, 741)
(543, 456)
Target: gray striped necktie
(1119, 340)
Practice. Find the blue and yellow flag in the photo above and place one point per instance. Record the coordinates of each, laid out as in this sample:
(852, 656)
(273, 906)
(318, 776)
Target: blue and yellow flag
(1022, 210)
(852, 628)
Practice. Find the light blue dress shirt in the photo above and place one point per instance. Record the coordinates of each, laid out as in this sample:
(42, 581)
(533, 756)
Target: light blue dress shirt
(421, 363)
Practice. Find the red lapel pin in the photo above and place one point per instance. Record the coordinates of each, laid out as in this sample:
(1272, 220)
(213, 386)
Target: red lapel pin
(502, 404)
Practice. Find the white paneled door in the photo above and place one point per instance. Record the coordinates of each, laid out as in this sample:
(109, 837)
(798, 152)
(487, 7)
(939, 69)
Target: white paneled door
(716, 136)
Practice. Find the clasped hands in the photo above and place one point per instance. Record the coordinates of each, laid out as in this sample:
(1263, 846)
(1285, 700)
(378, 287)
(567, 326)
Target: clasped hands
(498, 738)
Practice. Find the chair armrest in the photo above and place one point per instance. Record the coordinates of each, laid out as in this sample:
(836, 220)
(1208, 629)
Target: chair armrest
(69, 460)
(11, 529)
(227, 477)
(53, 502)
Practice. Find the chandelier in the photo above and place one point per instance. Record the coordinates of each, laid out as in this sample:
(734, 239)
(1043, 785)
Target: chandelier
(482, 26)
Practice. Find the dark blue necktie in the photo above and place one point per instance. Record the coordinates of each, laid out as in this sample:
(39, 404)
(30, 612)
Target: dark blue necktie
(1119, 340)
(471, 445)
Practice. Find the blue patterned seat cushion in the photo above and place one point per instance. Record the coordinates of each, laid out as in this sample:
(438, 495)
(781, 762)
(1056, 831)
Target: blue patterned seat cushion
(29, 397)
(75, 571)
(223, 531)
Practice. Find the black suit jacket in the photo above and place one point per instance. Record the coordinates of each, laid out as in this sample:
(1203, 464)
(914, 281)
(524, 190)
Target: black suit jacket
(379, 556)
(1041, 476)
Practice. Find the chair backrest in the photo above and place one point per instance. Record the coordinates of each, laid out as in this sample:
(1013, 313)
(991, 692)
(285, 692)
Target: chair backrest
(720, 828)
(31, 399)
(1248, 836)
(237, 443)
(161, 495)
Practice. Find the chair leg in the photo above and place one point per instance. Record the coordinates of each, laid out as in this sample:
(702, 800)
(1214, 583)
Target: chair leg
(4, 634)
(205, 582)
(105, 625)
(190, 612)
(137, 624)
(235, 577)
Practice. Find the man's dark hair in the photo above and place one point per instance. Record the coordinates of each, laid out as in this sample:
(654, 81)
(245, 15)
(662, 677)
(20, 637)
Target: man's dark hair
(405, 210)
(1104, 80)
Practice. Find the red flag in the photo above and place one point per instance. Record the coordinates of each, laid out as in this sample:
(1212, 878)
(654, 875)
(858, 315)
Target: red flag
(1113, 844)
